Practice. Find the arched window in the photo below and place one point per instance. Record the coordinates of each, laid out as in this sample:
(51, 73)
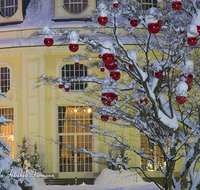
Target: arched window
(71, 71)
(5, 79)
(75, 6)
(9, 7)
(146, 4)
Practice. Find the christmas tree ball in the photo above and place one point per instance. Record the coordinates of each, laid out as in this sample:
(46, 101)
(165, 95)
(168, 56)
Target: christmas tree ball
(104, 118)
(134, 23)
(48, 42)
(181, 99)
(114, 119)
(130, 68)
(76, 64)
(160, 22)
(102, 69)
(102, 20)
(108, 58)
(67, 89)
(176, 5)
(159, 74)
(198, 29)
(115, 75)
(112, 66)
(60, 85)
(154, 28)
(115, 5)
(73, 47)
(108, 98)
(144, 100)
(192, 41)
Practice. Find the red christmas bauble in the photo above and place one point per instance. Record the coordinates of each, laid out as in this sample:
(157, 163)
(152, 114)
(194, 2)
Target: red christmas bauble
(198, 29)
(100, 57)
(114, 119)
(189, 78)
(76, 64)
(108, 58)
(48, 42)
(154, 28)
(112, 66)
(102, 20)
(176, 5)
(102, 69)
(145, 100)
(67, 89)
(109, 98)
(159, 74)
(115, 75)
(192, 41)
(189, 87)
(60, 86)
(134, 23)
(130, 68)
(104, 118)
(181, 99)
(115, 5)
(160, 22)
(73, 47)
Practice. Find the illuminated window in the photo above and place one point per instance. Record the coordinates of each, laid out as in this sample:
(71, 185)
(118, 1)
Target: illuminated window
(7, 131)
(71, 71)
(146, 4)
(76, 137)
(5, 79)
(75, 6)
(9, 7)
(149, 148)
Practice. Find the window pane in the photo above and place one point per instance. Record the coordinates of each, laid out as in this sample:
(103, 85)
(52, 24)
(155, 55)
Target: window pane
(75, 6)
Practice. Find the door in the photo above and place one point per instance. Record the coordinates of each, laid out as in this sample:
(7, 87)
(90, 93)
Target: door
(74, 164)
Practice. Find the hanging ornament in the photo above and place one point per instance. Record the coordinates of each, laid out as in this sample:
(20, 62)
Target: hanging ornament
(60, 85)
(112, 66)
(102, 19)
(181, 92)
(198, 29)
(102, 69)
(48, 42)
(134, 23)
(104, 118)
(100, 57)
(160, 22)
(47, 36)
(145, 100)
(189, 78)
(114, 119)
(192, 41)
(73, 47)
(108, 58)
(159, 74)
(108, 51)
(115, 75)
(67, 89)
(192, 35)
(73, 43)
(76, 64)
(176, 5)
(108, 98)
(115, 4)
(154, 28)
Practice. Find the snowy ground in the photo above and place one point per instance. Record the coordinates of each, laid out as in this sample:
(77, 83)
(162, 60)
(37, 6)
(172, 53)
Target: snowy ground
(107, 180)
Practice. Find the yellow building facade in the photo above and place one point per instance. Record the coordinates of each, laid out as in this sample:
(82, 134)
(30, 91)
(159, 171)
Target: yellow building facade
(46, 114)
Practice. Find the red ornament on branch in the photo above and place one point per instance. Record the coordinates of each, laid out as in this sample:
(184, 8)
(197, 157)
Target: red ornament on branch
(154, 28)
(100, 57)
(102, 20)
(60, 85)
(159, 74)
(76, 64)
(134, 23)
(108, 98)
(48, 42)
(130, 68)
(115, 75)
(181, 99)
(112, 66)
(144, 100)
(104, 118)
(108, 58)
(198, 29)
(67, 89)
(73, 47)
(192, 41)
(160, 22)
(114, 119)
(189, 87)
(102, 69)
(176, 5)
(115, 5)
(189, 78)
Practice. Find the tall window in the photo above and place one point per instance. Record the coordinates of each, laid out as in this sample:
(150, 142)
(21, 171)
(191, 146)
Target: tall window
(71, 71)
(76, 137)
(9, 7)
(146, 4)
(149, 148)
(5, 79)
(75, 6)
(7, 131)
